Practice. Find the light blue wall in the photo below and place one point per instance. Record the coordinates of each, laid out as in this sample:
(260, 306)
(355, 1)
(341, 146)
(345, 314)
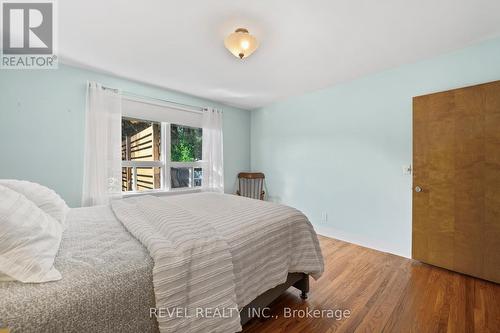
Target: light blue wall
(42, 126)
(341, 150)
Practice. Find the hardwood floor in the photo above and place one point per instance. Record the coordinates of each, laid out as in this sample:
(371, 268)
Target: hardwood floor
(386, 293)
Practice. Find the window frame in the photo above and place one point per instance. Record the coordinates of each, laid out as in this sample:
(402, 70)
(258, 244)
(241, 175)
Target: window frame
(165, 163)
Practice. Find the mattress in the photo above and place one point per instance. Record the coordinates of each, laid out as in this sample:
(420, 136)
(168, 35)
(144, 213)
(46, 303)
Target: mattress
(107, 283)
(217, 251)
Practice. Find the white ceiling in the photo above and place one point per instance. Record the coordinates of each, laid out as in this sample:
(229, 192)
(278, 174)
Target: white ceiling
(305, 45)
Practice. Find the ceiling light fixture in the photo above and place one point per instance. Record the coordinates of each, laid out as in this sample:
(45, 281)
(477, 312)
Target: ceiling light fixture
(241, 43)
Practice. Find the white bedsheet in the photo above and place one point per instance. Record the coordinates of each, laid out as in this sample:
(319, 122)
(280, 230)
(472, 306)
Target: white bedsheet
(216, 251)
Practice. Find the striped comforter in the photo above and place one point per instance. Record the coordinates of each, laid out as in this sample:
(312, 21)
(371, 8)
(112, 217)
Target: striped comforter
(214, 253)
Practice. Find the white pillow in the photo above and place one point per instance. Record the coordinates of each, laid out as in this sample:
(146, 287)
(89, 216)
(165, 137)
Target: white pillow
(45, 198)
(29, 240)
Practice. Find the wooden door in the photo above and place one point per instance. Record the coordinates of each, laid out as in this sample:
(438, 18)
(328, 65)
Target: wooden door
(456, 180)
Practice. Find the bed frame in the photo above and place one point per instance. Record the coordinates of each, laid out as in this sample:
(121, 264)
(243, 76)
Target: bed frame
(297, 280)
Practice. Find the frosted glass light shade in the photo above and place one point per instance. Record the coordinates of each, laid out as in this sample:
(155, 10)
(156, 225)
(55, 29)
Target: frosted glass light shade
(241, 43)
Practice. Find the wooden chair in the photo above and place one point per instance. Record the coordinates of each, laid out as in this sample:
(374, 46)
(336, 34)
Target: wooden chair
(251, 185)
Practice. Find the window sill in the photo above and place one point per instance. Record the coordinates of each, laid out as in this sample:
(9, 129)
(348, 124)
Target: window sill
(161, 192)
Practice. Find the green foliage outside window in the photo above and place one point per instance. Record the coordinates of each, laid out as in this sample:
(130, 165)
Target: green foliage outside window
(185, 143)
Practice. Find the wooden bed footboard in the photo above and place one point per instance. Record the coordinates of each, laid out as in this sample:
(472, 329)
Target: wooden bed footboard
(297, 280)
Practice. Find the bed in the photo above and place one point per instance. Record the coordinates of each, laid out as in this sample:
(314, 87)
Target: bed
(108, 269)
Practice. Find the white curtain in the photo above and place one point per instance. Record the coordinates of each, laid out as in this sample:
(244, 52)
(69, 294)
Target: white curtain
(212, 151)
(102, 159)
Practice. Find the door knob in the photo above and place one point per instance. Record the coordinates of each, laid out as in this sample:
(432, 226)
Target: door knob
(418, 189)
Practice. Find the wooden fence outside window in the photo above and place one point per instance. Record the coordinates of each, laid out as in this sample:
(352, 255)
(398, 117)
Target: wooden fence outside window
(143, 146)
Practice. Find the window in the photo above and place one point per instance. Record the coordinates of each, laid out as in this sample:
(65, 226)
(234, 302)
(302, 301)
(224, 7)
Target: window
(160, 156)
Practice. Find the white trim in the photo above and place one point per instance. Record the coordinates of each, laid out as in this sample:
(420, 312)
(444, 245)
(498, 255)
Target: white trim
(142, 164)
(165, 155)
(159, 102)
(160, 192)
(138, 109)
(196, 164)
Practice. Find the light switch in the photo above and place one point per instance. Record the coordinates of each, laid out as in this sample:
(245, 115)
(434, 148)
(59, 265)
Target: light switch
(407, 170)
